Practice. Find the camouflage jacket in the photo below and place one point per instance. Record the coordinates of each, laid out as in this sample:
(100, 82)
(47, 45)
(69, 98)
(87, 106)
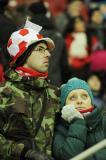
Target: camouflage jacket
(21, 102)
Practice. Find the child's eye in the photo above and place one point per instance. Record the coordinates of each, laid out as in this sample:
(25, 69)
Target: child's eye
(84, 96)
(73, 98)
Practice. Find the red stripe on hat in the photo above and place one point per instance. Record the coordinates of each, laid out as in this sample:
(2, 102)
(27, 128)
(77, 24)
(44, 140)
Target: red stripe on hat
(23, 32)
(39, 36)
(9, 43)
(22, 49)
(22, 45)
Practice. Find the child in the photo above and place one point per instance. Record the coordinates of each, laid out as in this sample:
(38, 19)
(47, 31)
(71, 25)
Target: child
(81, 124)
(76, 43)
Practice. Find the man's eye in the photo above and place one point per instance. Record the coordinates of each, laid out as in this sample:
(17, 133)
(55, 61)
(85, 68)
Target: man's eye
(40, 49)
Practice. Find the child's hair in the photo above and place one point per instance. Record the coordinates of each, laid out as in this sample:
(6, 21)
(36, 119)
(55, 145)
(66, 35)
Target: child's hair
(71, 26)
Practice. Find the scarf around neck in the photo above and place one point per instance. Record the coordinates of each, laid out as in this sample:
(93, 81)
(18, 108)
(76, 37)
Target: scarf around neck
(85, 112)
(23, 71)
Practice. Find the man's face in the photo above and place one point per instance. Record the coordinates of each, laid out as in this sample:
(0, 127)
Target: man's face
(79, 98)
(39, 58)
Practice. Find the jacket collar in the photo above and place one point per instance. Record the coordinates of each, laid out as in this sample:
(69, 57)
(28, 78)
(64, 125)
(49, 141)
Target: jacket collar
(24, 82)
(93, 119)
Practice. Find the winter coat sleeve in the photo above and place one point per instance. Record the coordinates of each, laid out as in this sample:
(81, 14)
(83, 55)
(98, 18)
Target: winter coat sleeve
(68, 142)
(13, 131)
(8, 147)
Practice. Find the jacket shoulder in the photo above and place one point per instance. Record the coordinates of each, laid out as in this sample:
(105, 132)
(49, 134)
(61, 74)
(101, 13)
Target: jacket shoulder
(10, 95)
(54, 91)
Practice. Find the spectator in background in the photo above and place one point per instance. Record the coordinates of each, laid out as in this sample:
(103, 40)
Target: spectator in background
(103, 10)
(80, 124)
(74, 8)
(18, 11)
(96, 30)
(77, 44)
(7, 26)
(77, 49)
(56, 6)
(97, 41)
(39, 16)
(96, 84)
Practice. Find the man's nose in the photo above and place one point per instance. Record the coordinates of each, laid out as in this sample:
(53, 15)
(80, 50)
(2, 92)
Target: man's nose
(47, 53)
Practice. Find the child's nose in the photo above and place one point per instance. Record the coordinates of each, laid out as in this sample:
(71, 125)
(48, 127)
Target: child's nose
(79, 100)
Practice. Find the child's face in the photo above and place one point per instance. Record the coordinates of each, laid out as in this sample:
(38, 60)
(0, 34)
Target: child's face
(79, 98)
(94, 83)
(79, 26)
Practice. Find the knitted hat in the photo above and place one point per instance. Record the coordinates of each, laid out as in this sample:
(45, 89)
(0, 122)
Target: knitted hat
(71, 85)
(23, 38)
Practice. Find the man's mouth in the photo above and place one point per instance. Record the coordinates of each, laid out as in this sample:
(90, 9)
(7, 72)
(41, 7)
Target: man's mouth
(46, 61)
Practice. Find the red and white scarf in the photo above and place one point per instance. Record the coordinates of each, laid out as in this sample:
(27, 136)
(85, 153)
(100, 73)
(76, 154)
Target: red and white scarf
(23, 71)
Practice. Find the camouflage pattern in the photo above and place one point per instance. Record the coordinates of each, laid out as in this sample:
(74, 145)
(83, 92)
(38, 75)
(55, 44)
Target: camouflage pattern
(21, 101)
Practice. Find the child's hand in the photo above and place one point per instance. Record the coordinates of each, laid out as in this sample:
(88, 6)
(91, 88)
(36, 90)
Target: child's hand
(69, 113)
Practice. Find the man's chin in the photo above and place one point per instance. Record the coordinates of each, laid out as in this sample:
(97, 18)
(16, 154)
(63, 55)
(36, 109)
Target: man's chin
(44, 70)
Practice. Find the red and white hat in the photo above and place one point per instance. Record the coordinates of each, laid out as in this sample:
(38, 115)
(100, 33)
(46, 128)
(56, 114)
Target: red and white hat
(23, 38)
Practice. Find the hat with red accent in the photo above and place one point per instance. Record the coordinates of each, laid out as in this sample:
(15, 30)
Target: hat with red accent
(23, 38)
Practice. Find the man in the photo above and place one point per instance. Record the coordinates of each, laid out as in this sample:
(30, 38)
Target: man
(27, 103)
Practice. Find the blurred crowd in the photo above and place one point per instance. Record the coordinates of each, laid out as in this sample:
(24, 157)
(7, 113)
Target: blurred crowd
(78, 28)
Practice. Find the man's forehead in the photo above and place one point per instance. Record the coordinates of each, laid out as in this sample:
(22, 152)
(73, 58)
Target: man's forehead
(41, 44)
